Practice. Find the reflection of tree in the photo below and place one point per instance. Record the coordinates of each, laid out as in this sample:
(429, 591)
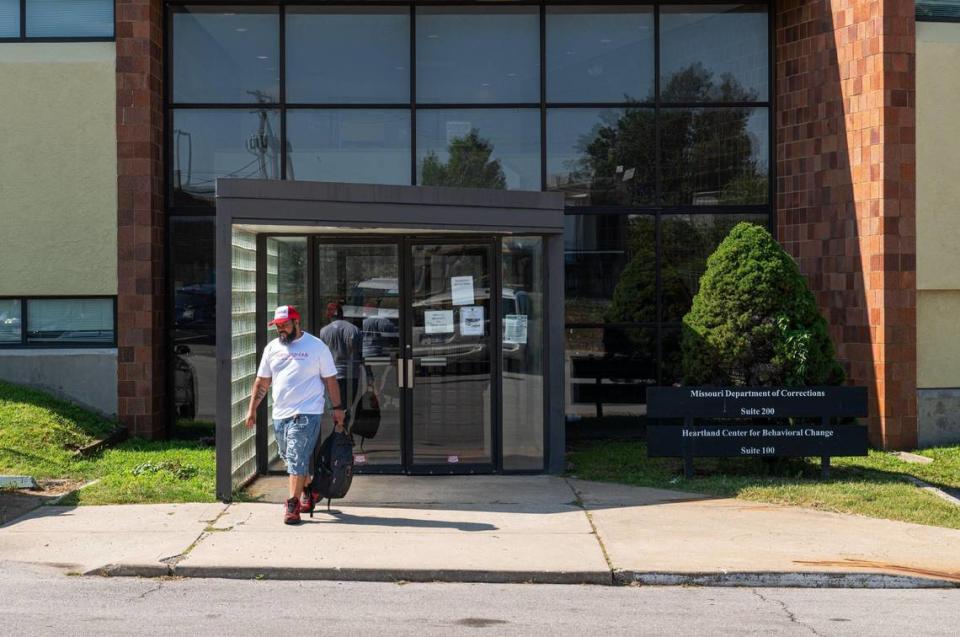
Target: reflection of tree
(686, 242)
(706, 153)
(469, 165)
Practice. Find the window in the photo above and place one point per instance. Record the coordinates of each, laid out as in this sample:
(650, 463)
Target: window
(330, 59)
(449, 69)
(11, 328)
(938, 10)
(211, 143)
(479, 148)
(356, 145)
(221, 55)
(57, 322)
(9, 18)
(57, 19)
(600, 54)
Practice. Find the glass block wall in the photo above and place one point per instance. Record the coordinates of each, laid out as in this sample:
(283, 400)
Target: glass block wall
(243, 354)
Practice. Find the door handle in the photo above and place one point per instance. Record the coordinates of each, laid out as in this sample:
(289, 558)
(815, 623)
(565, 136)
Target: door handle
(400, 383)
(410, 373)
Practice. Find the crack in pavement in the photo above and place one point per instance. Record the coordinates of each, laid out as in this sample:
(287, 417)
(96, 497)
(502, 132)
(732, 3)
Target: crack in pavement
(578, 501)
(783, 606)
(208, 530)
(152, 590)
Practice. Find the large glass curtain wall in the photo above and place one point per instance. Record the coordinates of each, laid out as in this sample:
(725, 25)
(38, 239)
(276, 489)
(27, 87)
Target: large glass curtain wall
(652, 118)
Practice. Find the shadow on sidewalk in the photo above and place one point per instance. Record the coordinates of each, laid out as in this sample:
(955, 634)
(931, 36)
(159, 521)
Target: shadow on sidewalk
(338, 517)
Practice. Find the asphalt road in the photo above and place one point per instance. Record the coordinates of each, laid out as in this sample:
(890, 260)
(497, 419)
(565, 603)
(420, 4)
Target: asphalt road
(43, 601)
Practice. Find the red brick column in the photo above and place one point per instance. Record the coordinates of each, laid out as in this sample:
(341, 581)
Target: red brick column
(142, 381)
(846, 187)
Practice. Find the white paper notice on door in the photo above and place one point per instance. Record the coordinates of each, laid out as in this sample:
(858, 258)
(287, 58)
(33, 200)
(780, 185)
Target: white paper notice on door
(438, 322)
(515, 329)
(471, 320)
(462, 290)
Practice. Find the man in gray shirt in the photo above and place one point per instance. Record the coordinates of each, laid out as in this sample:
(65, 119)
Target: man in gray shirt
(345, 342)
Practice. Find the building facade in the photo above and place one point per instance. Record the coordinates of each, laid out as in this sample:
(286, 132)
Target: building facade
(663, 123)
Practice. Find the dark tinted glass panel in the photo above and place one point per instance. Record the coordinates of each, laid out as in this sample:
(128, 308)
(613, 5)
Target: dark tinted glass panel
(714, 156)
(342, 56)
(9, 18)
(497, 149)
(193, 274)
(686, 242)
(350, 145)
(599, 54)
(69, 18)
(610, 369)
(713, 53)
(10, 321)
(672, 365)
(938, 9)
(602, 157)
(610, 269)
(478, 55)
(226, 54)
(221, 143)
(66, 321)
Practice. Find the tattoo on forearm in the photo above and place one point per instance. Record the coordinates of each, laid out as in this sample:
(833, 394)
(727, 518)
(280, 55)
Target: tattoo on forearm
(259, 391)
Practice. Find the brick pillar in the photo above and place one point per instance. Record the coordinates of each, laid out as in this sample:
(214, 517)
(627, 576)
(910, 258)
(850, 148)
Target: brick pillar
(846, 188)
(142, 382)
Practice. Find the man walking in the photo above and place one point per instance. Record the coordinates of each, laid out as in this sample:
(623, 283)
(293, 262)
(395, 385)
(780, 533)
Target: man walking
(293, 364)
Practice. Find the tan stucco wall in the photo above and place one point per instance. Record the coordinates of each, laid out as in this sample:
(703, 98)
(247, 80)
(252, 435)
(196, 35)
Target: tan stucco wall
(938, 204)
(938, 339)
(938, 150)
(58, 168)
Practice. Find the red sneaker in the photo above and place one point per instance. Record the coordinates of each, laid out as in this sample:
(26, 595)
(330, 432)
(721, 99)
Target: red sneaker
(292, 513)
(308, 500)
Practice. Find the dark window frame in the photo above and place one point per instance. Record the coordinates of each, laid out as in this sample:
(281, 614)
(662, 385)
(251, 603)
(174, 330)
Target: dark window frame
(658, 210)
(25, 314)
(23, 37)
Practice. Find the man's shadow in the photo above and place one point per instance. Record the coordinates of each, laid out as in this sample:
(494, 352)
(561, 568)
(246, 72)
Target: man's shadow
(336, 516)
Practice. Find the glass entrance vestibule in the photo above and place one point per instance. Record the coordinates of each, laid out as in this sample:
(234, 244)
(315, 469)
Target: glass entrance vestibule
(443, 309)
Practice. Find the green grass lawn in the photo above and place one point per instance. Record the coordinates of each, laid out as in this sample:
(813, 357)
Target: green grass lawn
(39, 435)
(873, 485)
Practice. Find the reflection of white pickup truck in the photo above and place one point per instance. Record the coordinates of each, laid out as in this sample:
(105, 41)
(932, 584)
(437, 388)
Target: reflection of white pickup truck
(379, 298)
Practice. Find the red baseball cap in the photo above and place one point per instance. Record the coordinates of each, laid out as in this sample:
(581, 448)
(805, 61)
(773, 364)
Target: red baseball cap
(284, 313)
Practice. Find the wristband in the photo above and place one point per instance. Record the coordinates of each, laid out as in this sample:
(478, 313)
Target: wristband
(338, 407)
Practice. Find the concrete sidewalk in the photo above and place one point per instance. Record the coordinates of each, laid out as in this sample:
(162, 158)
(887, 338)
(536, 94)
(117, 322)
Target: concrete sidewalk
(492, 529)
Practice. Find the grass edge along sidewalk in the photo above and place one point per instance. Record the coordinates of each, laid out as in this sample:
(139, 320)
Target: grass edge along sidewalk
(39, 436)
(874, 486)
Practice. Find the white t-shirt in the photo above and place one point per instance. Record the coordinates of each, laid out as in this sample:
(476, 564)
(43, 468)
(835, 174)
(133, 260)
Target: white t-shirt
(296, 369)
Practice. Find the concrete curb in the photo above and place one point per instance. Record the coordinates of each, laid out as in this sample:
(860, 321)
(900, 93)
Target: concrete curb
(769, 579)
(396, 575)
(759, 579)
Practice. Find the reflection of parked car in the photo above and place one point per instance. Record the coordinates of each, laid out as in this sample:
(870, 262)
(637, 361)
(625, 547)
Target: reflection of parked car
(194, 306)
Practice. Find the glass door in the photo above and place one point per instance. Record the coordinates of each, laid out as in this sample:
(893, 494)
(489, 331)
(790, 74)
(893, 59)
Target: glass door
(358, 315)
(449, 356)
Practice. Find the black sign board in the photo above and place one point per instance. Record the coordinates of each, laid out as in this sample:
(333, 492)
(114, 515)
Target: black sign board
(729, 440)
(756, 402)
(756, 425)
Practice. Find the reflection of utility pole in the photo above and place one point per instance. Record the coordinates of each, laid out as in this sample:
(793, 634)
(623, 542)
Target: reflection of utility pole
(264, 140)
(178, 176)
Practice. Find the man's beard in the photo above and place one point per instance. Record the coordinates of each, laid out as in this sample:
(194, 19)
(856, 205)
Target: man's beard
(287, 337)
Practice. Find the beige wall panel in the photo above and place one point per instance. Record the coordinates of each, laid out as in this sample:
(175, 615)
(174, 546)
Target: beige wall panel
(938, 156)
(58, 168)
(938, 342)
